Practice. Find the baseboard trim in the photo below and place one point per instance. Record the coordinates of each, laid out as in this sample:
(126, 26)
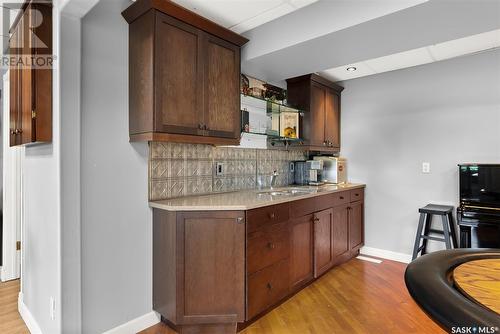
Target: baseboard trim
(386, 254)
(28, 318)
(136, 325)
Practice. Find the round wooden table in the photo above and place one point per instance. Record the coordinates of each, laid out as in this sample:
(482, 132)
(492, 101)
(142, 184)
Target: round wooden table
(479, 280)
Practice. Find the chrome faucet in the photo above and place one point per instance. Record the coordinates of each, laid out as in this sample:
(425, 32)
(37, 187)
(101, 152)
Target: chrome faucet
(273, 179)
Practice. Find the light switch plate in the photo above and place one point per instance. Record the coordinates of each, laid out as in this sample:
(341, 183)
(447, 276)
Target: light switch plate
(426, 167)
(219, 168)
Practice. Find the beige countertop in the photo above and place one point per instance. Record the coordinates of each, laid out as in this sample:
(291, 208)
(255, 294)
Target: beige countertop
(247, 199)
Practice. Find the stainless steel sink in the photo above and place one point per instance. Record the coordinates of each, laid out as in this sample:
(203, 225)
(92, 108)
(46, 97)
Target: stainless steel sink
(286, 192)
(272, 193)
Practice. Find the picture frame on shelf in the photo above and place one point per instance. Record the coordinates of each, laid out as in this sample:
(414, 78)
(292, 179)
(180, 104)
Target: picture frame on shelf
(289, 125)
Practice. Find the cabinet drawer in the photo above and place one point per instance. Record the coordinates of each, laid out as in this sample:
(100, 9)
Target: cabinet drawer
(266, 216)
(267, 246)
(340, 198)
(357, 194)
(267, 287)
(304, 207)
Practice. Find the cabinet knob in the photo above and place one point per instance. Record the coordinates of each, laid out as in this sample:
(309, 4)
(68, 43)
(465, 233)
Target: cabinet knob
(324, 143)
(272, 215)
(341, 197)
(239, 219)
(271, 245)
(316, 219)
(269, 286)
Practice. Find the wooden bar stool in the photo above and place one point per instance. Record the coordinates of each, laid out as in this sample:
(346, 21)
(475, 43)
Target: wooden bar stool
(424, 224)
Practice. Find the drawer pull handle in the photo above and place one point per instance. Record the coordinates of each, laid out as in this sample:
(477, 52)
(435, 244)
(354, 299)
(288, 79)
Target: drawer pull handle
(271, 245)
(316, 219)
(269, 286)
(272, 215)
(356, 194)
(341, 197)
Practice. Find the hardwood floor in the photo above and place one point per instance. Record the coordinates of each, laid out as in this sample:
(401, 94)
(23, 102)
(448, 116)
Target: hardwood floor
(10, 319)
(356, 297)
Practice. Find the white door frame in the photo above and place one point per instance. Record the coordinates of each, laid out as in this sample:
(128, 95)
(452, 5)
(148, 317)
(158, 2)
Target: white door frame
(11, 195)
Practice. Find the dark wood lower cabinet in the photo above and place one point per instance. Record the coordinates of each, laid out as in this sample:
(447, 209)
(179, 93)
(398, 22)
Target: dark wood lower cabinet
(340, 231)
(267, 287)
(214, 269)
(323, 241)
(301, 251)
(356, 230)
(199, 267)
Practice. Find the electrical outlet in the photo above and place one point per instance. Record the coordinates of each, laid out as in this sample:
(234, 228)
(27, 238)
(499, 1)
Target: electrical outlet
(52, 308)
(426, 167)
(219, 168)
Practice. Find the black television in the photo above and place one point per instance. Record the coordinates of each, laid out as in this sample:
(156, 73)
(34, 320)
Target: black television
(480, 185)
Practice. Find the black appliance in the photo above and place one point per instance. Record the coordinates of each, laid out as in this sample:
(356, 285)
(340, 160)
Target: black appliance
(479, 212)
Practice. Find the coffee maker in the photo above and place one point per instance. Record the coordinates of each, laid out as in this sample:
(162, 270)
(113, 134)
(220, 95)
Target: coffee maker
(308, 172)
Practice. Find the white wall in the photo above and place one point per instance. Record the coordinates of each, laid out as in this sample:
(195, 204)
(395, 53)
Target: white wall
(444, 113)
(41, 276)
(116, 220)
(70, 175)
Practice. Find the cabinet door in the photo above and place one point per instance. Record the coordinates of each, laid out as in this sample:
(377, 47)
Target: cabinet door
(356, 233)
(323, 241)
(222, 88)
(178, 77)
(39, 118)
(301, 251)
(212, 282)
(14, 86)
(27, 81)
(317, 116)
(332, 119)
(340, 230)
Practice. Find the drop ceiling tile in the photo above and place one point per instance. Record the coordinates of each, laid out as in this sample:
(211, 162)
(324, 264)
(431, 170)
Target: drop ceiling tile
(400, 60)
(267, 16)
(466, 45)
(301, 3)
(229, 12)
(340, 73)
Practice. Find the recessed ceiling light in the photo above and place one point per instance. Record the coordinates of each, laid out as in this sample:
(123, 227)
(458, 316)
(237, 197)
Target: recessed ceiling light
(351, 69)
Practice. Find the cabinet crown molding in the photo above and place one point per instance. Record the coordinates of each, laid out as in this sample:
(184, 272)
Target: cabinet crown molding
(316, 78)
(168, 7)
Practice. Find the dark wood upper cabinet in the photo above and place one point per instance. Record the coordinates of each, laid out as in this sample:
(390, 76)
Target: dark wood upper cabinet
(320, 99)
(183, 65)
(222, 81)
(30, 87)
(184, 75)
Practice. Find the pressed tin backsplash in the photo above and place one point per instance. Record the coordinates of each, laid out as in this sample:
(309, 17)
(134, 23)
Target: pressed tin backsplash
(188, 169)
